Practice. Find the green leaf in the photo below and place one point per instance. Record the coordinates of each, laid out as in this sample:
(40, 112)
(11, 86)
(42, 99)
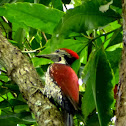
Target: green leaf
(3, 90)
(14, 119)
(34, 15)
(86, 17)
(98, 78)
(66, 43)
(4, 78)
(4, 25)
(116, 37)
(12, 102)
(22, 125)
(12, 87)
(115, 61)
(4, 104)
(19, 37)
(84, 55)
(112, 26)
(117, 3)
(89, 78)
(93, 120)
(77, 2)
(82, 18)
(45, 2)
(71, 44)
(15, 102)
(10, 96)
(4, 1)
(21, 108)
(104, 89)
(41, 61)
(35, 44)
(57, 4)
(76, 65)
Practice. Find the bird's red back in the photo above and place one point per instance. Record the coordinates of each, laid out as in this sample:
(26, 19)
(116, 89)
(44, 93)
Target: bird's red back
(67, 79)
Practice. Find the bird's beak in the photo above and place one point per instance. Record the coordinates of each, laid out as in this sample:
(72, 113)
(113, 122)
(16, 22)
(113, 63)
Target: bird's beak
(53, 56)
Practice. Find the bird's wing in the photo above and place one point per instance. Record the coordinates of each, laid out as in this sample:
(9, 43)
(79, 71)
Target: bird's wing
(67, 79)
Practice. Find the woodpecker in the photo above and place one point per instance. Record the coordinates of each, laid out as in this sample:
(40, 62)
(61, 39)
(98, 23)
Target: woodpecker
(61, 82)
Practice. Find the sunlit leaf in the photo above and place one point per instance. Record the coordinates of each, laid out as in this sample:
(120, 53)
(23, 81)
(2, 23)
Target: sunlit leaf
(36, 15)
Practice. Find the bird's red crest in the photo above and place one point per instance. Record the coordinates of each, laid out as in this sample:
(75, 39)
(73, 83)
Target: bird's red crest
(71, 52)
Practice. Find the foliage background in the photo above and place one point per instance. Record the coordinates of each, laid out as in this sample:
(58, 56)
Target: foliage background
(93, 29)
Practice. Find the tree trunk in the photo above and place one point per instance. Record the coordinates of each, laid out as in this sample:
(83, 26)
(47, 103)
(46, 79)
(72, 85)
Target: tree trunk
(121, 98)
(22, 72)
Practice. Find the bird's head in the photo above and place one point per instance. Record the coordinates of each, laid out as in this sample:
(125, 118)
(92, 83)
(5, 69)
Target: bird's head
(63, 55)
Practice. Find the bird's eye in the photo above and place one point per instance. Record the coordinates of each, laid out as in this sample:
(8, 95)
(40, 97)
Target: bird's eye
(57, 51)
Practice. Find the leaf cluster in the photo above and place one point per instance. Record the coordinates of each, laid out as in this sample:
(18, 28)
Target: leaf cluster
(93, 29)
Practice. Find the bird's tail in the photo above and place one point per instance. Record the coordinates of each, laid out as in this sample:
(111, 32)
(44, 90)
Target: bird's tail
(68, 119)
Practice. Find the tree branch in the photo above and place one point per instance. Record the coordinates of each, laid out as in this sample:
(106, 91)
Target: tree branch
(23, 73)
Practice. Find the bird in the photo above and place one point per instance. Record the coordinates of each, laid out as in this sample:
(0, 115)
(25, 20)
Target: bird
(61, 82)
